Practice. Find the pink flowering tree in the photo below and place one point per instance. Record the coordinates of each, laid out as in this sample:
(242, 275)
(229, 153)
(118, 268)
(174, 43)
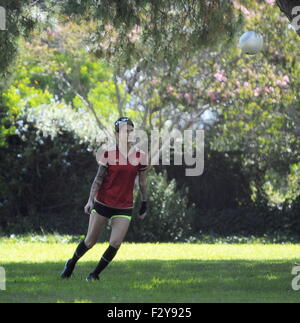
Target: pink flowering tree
(253, 99)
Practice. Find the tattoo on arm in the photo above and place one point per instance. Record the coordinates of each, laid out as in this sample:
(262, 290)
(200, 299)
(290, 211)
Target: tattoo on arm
(143, 184)
(98, 181)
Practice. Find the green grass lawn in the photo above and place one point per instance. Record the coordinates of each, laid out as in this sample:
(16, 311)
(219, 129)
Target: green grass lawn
(151, 273)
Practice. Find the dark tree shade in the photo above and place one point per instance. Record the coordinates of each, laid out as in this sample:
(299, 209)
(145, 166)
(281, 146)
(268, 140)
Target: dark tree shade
(17, 23)
(172, 27)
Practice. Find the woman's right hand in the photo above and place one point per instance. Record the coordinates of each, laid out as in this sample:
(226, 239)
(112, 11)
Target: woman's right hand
(89, 207)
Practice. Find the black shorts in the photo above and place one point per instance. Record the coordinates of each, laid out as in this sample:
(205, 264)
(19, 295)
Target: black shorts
(110, 212)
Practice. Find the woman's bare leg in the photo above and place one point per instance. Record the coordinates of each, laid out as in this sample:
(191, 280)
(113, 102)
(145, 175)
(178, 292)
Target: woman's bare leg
(96, 224)
(119, 229)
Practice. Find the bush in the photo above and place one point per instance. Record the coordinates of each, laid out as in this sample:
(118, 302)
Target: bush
(44, 180)
(168, 219)
(257, 221)
(48, 181)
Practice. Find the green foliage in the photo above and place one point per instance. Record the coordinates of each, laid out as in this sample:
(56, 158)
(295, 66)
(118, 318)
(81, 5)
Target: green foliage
(46, 238)
(247, 104)
(201, 238)
(46, 190)
(224, 184)
(257, 101)
(17, 23)
(44, 185)
(156, 30)
(168, 218)
(46, 73)
(207, 22)
(255, 221)
(252, 102)
(233, 239)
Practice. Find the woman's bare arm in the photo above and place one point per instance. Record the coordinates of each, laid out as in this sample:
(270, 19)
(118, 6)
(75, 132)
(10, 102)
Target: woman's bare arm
(97, 182)
(143, 188)
(143, 184)
(95, 188)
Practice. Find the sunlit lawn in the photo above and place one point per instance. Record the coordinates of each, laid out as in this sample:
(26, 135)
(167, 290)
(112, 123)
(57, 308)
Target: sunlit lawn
(151, 273)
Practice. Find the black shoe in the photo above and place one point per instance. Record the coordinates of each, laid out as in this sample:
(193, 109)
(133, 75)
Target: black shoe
(68, 270)
(92, 277)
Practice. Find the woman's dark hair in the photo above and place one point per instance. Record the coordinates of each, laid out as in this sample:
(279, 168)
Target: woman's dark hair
(122, 120)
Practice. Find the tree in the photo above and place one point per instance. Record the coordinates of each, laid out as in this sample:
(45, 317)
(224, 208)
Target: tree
(169, 28)
(18, 22)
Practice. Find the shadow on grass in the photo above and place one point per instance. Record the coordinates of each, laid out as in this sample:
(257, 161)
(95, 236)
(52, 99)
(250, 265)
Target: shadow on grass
(153, 281)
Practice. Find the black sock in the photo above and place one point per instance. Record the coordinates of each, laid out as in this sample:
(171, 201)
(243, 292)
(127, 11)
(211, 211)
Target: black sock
(80, 251)
(107, 257)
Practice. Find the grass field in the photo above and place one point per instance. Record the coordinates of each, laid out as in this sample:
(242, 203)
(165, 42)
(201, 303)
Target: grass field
(151, 273)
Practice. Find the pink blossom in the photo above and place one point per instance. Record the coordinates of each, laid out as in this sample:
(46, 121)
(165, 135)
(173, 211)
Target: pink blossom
(257, 91)
(281, 83)
(286, 78)
(219, 76)
(244, 10)
(170, 89)
(246, 84)
(266, 89)
(133, 35)
(271, 2)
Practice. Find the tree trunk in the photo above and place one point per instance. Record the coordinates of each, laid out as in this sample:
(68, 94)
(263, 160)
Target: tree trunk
(286, 6)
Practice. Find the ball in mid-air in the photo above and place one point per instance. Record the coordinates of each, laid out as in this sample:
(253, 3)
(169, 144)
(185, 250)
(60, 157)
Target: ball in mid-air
(251, 43)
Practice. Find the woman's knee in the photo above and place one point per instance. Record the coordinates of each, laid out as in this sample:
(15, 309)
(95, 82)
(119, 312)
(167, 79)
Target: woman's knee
(116, 243)
(89, 242)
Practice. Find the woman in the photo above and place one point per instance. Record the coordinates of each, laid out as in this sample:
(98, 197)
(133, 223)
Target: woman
(111, 197)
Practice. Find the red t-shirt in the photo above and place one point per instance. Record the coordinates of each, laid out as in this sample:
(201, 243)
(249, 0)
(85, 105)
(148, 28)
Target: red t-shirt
(118, 184)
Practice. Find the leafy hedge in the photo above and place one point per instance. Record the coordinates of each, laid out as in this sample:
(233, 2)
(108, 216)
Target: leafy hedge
(48, 180)
(169, 218)
(255, 220)
(45, 182)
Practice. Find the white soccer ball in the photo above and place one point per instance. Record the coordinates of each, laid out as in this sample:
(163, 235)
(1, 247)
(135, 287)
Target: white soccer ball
(251, 43)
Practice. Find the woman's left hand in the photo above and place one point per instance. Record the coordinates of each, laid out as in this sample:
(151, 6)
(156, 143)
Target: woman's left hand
(142, 217)
(143, 211)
